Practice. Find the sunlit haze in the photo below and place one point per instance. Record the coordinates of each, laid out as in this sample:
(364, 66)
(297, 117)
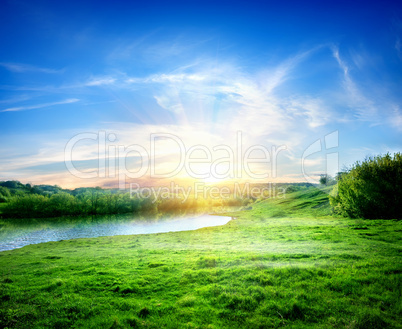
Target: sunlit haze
(96, 93)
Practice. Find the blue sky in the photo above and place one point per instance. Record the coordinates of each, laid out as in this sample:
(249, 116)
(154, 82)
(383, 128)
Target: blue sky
(283, 74)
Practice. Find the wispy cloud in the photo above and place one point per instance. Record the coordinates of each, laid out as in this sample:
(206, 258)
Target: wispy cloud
(398, 47)
(396, 118)
(368, 100)
(15, 99)
(397, 29)
(314, 111)
(364, 107)
(169, 103)
(39, 106)
(226, 97)
(100, 81)
(21, 68)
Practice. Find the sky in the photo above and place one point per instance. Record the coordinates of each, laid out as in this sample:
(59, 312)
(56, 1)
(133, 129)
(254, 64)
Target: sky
(100, 93)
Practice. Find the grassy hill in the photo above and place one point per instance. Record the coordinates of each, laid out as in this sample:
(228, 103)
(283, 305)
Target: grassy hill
(310, 201)
(282, 262)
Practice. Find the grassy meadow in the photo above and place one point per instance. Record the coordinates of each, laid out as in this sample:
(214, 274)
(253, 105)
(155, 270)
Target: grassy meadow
(281, 263)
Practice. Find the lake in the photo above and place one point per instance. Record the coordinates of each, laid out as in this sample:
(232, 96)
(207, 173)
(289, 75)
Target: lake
(16, 235)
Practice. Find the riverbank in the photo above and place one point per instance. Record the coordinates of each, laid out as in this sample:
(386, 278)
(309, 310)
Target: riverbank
(283, 262)
(20, 234)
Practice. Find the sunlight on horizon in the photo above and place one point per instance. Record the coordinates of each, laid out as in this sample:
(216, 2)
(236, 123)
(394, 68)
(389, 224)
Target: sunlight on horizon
(204, 85)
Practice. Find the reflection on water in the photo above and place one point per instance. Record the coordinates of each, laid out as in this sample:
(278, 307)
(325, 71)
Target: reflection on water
(17, 235)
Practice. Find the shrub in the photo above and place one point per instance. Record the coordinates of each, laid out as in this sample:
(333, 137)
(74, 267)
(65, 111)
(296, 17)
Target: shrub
(370, 189)
(30, 205)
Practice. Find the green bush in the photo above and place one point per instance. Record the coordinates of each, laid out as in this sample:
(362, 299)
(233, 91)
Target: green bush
(4, 194)
(370, 189)
(26, 206)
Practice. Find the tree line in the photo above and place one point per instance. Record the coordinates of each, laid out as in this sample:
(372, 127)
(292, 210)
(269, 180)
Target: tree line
(25, 201)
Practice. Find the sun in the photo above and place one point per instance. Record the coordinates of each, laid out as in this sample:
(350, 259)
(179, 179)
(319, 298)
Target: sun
(212, 180)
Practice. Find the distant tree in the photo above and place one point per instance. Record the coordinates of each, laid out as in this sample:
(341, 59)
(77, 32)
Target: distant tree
(370, 189)
(61, 204)
(11, 184)
(4, 194)
(30, 205)
(326, 179)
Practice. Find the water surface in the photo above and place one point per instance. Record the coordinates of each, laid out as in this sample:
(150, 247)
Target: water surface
(17, 235)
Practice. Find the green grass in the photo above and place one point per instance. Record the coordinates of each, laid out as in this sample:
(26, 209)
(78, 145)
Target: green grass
(285, 262)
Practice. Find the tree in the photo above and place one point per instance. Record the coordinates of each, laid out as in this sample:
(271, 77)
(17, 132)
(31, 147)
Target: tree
(4, 194)
(30, 205)
(370, 189)
(61, 204)
(326, 179)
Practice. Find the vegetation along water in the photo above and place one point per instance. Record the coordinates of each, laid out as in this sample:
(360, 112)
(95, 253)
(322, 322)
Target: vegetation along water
(281, 262)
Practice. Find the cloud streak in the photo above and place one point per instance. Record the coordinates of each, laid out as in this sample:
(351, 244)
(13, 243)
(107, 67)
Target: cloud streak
(368, 104)
(100, 81)
(23, 68)
(39, 106)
